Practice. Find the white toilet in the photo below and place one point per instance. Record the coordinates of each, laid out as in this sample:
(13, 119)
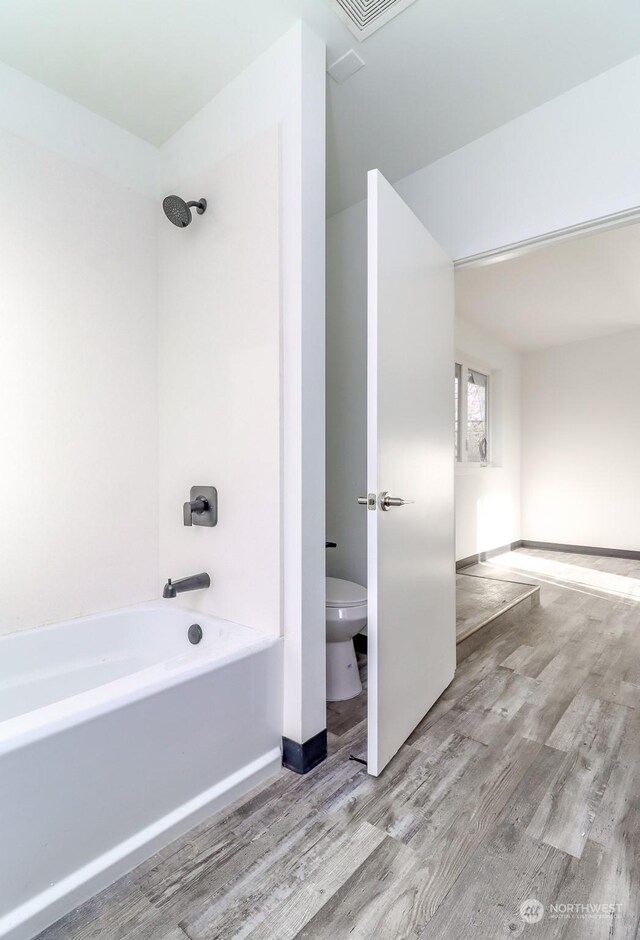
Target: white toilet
(346, 615)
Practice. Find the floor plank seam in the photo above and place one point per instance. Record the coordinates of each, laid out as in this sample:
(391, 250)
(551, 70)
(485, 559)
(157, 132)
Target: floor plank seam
(487, 577)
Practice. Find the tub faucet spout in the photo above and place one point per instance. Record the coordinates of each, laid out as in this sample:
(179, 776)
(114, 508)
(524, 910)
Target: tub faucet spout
(193, 583)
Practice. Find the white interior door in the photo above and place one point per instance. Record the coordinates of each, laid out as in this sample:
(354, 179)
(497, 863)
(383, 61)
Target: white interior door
(410, 435)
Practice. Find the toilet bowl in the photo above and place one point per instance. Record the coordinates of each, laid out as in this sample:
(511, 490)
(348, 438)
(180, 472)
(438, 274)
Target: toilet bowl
(346, 615)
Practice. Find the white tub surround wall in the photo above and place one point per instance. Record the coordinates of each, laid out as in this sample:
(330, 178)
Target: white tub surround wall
(77, 362)
(36, 113)
(122, 699)
(82, 272)
(251, 272)
(581, 450)
(571, 160)
(219, 336)
(488, 498)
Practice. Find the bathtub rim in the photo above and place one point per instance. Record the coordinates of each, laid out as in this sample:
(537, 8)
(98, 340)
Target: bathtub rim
(29, 727)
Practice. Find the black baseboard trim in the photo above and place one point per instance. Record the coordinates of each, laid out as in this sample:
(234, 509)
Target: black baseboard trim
(582, 549)
(550, 547)
(484, 556)
(360, 643)
(301, 758)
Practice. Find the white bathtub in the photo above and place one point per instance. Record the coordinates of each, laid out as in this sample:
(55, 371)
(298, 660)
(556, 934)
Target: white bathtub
(117, 735)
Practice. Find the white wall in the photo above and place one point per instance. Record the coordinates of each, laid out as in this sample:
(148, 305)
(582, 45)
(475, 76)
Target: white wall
(270, 470)
(34, 112)
(568, 161)
(488, 498)
(347, 393)
(581, 448)
(346, 457)
(78, 476)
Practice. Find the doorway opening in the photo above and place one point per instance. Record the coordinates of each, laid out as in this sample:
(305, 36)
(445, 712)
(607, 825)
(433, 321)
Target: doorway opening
(541, 419)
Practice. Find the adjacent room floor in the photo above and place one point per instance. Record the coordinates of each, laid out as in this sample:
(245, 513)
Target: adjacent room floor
(480, 597)
(521, 783)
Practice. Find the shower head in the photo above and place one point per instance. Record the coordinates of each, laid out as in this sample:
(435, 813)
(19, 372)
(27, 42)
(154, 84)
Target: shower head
(179, 212)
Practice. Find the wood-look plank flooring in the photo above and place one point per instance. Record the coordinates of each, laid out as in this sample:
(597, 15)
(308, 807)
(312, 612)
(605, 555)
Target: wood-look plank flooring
(523, 781)
(481, 597)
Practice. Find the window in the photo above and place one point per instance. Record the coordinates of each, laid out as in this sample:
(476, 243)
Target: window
(471, 430)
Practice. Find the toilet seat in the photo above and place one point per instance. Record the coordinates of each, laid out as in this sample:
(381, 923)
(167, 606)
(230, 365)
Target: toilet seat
(345, 593)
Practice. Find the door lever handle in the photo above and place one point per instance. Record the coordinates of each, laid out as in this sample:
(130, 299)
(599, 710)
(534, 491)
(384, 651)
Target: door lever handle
(388, 502)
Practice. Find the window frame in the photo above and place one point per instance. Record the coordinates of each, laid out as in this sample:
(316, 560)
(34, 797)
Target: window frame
(466, 365)
(457, 417)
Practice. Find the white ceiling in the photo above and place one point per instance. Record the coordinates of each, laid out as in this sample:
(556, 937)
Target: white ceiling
(441, 74)
(578, 289)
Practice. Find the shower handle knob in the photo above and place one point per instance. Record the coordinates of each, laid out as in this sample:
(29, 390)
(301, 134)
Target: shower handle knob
(197, 506)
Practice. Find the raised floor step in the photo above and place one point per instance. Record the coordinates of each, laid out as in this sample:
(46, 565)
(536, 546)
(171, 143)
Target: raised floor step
(487, 606)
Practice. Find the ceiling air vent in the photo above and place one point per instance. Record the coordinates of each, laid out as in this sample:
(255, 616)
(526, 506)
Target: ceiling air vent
(364, 17)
